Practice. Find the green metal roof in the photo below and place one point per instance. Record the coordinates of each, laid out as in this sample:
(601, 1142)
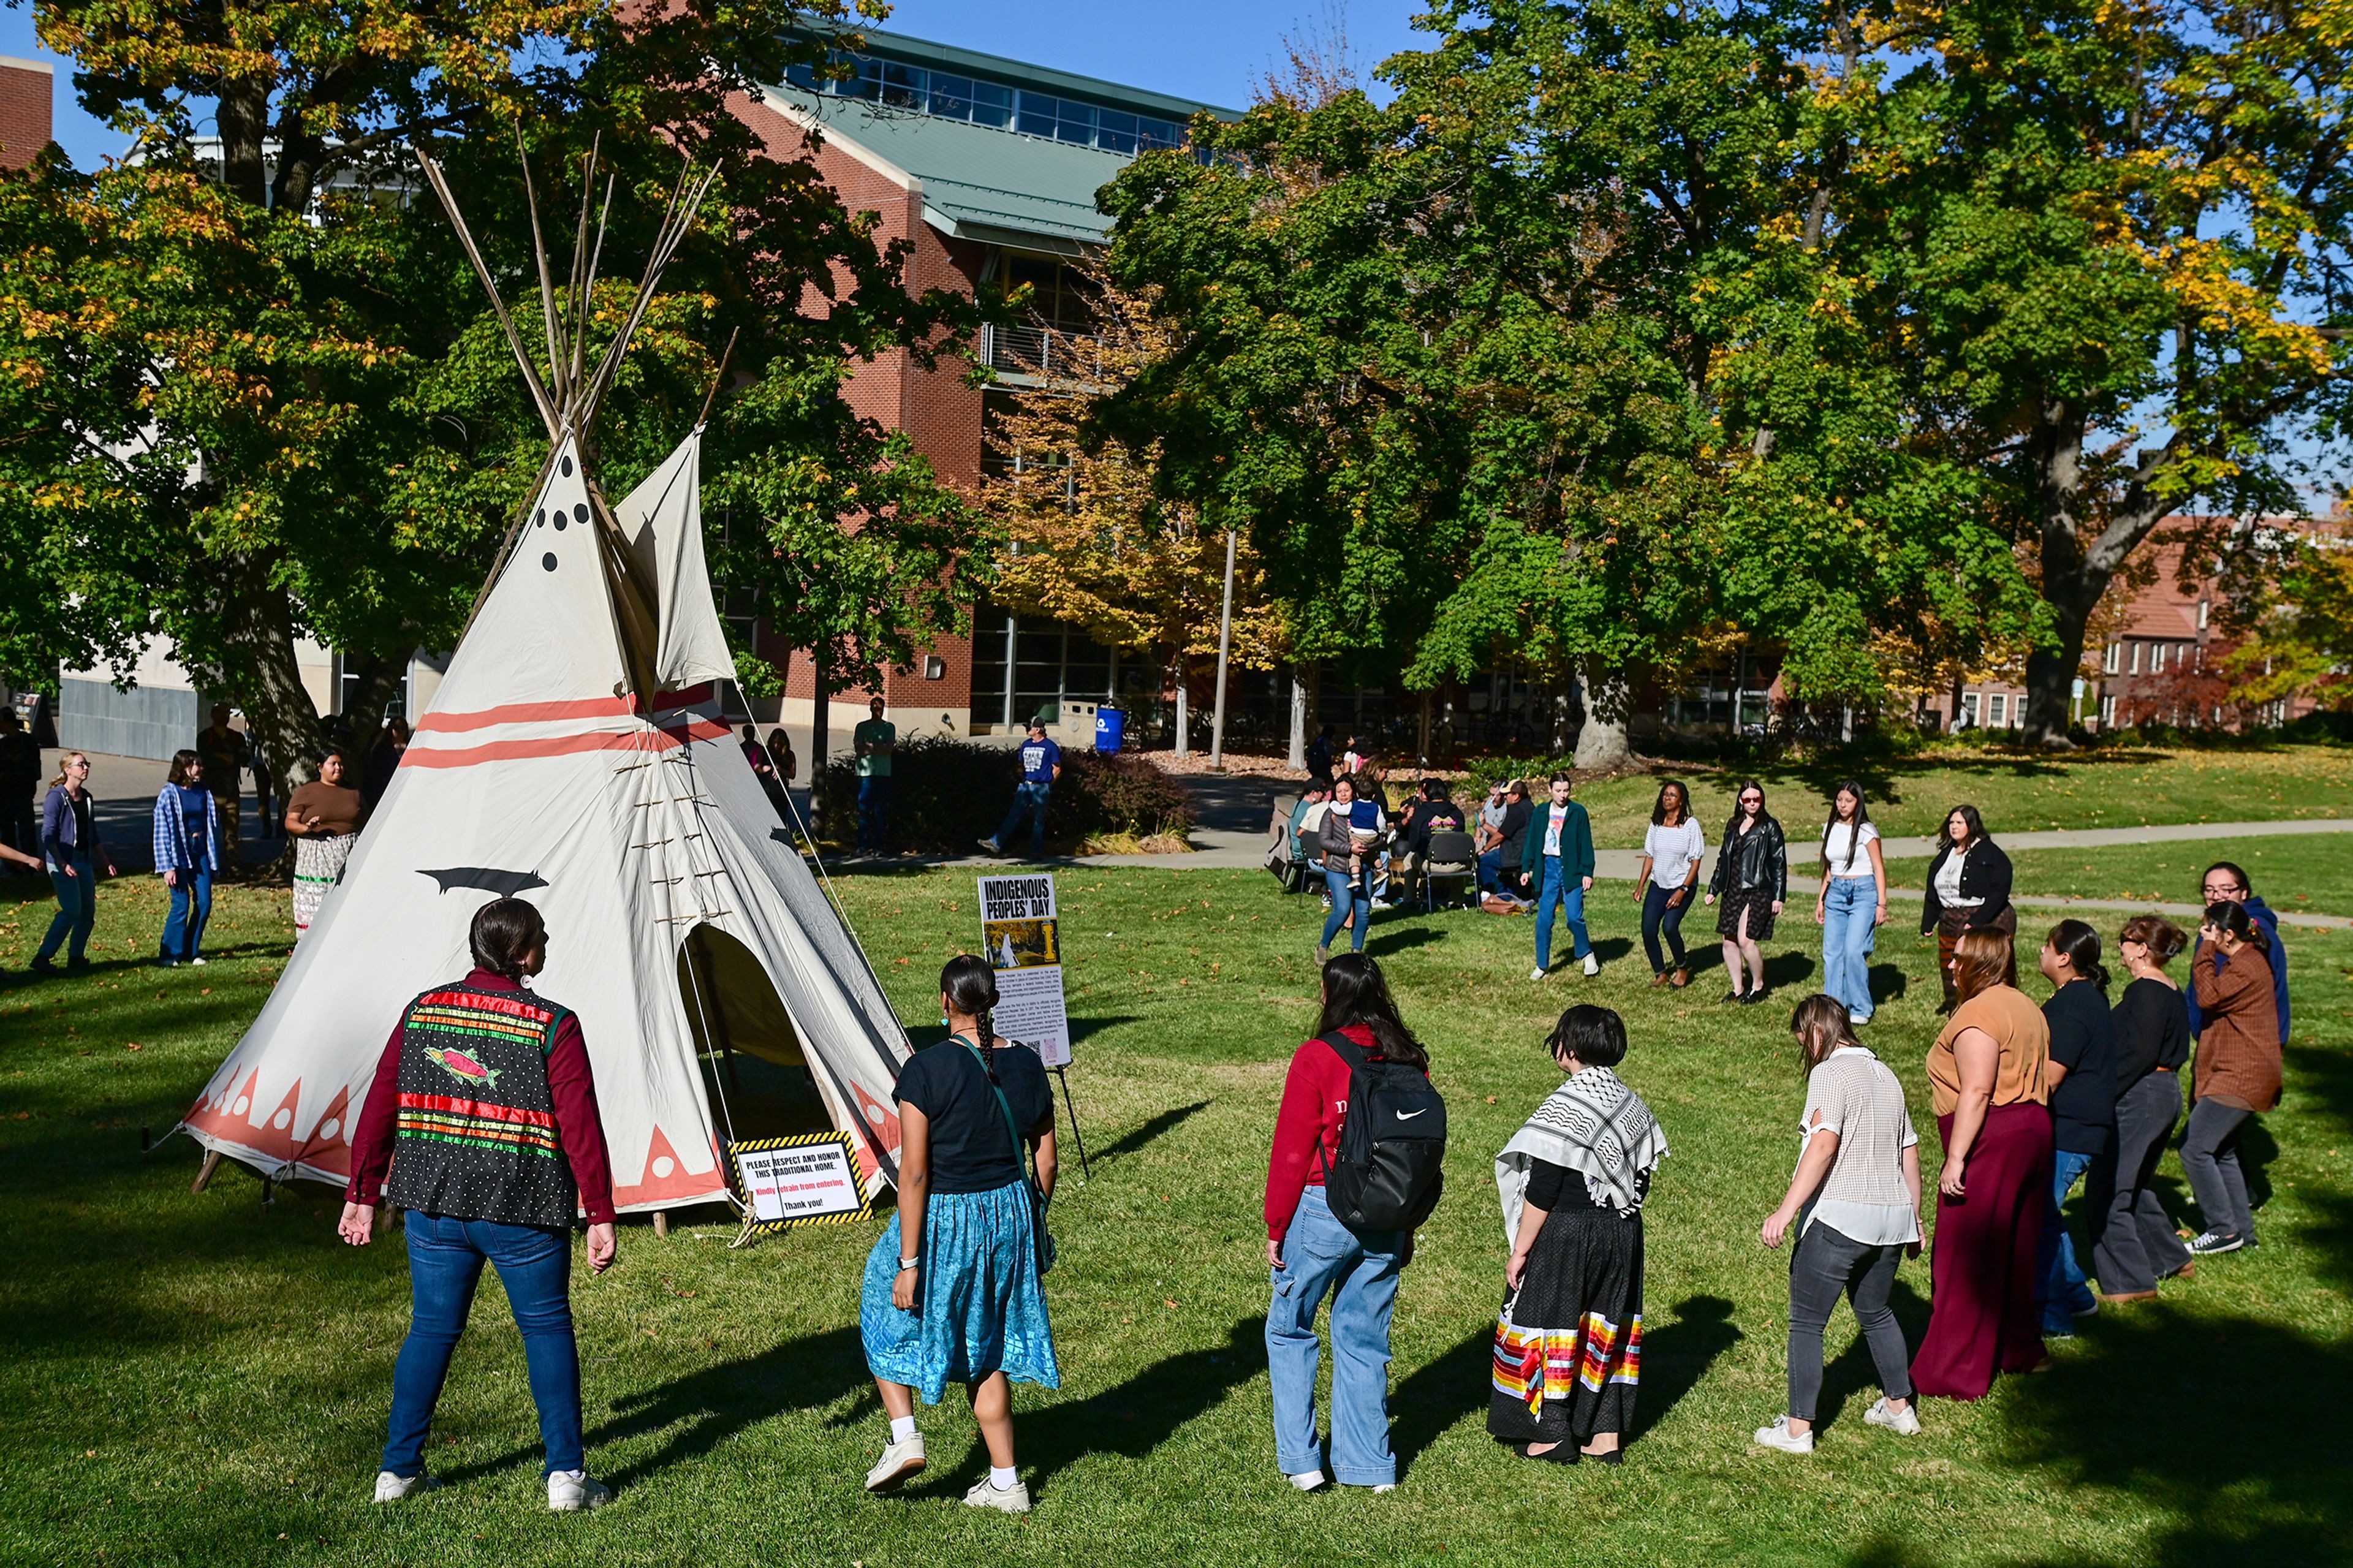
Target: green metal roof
(978, 181)
(1044, 78)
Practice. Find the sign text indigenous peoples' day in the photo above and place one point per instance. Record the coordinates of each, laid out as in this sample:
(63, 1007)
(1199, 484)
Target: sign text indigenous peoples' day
(1019, 934)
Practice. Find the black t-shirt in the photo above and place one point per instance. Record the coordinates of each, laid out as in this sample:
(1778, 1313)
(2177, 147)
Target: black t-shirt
(2152, 1030)
(971, 1150)
(2083, 1040)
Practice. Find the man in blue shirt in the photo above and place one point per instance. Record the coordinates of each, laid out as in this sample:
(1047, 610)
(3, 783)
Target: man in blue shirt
(1041, 764)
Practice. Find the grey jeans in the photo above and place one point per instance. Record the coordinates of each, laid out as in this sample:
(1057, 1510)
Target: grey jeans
(2136, 1246)
(2210, 1158)
(1826, 1265)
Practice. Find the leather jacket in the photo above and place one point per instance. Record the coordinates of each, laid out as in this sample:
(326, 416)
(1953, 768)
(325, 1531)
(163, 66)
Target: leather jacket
(1756, 858)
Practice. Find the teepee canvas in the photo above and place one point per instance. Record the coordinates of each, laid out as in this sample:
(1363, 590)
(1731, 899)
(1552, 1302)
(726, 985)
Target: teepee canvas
(566, 759)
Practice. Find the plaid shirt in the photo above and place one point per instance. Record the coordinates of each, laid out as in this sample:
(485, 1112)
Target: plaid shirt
(172, 850)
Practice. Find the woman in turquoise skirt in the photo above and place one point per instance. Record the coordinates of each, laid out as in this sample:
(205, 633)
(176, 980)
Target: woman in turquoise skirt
(952, 1290)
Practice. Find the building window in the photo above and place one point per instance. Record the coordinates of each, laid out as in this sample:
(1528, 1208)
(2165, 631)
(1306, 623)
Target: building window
(2156, 658)
(2107, 711)
(2115, 659)
(1969, 710)
(2136, 658)
(1999, 711)
(949, 97)
(2204, 605)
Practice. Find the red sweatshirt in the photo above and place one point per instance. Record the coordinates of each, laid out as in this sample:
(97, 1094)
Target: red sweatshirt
(579, 1127)
(1315, 1104)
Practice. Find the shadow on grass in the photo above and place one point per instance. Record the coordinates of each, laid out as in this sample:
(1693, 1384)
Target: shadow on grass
(1439, 1394)
(1676, 1355)
(1129, 1142)
(1783, 969)
(1137, 1417)
(2237, 1426)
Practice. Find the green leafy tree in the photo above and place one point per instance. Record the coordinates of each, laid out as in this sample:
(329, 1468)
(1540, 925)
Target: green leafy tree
(303, 426)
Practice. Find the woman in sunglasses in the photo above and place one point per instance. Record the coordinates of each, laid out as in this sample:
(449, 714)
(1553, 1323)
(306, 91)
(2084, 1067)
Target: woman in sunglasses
(1752, 877)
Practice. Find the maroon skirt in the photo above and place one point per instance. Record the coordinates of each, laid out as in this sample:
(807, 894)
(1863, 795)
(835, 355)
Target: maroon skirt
(1982, 1316)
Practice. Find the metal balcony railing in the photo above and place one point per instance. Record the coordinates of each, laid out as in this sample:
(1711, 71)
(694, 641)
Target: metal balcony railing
(1044, 353)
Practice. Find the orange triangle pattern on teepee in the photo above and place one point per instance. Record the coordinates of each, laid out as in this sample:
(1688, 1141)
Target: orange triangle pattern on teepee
(667, 1180)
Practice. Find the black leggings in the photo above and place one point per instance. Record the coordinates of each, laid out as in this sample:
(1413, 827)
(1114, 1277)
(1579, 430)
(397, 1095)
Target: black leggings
(1659, 919)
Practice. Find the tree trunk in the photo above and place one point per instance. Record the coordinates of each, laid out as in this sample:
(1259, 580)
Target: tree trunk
(1424, 749)
(2075, 574)
(1601, 742)
(257, 629)
(1184, 708)
(379, 677)
(820, 714)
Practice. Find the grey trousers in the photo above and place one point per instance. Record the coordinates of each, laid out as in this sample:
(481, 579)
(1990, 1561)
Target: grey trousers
(2136, 1246)
(2210, 1158)
(1826, 1265)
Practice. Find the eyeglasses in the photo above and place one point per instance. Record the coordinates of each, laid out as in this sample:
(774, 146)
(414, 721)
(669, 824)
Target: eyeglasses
(1752, 800)
(2222, 890)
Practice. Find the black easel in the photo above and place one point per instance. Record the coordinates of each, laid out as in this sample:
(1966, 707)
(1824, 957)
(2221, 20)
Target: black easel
(1076, 1136)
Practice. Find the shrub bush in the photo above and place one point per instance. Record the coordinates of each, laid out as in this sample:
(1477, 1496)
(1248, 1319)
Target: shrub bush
(946, 794)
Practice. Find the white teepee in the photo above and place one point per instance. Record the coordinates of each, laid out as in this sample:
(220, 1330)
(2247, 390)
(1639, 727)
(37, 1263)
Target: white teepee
(565, 758)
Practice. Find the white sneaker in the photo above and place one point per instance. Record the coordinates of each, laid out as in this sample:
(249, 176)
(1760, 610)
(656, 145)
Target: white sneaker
(990, 845)
(1385, 1487)
(1013, 1499)
(1592, 964)
(390, 1488)
(1778, 1435)
(1536, 975)
(197, 962)
(1905, 1422)
(571, 1492)
(1307, 1481)
(899, 1461)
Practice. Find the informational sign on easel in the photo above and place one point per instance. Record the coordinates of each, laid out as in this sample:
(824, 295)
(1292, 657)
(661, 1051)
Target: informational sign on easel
(1020, 931)
(811, 1179)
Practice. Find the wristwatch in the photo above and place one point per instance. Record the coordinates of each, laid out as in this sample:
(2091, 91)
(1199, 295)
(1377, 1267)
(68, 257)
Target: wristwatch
(907, 1263)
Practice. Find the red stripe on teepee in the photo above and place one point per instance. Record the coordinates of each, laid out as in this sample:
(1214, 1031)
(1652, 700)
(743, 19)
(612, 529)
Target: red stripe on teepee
(668, 737)
(526, 713)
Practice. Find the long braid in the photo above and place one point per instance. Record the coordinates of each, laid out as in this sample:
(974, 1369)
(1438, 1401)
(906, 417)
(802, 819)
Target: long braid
(989, 1042)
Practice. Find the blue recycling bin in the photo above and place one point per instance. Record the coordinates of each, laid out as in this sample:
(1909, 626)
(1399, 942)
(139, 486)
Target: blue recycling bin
(1110, 729)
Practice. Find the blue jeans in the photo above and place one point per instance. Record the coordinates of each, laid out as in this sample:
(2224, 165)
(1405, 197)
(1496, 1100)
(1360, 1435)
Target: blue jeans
(1030, 798)
(445, 1263)
(1359, 1269)
(77, 908)
(873, 811)
(1566, 895)
(1491, 878)
(1848, 909)
(2064, 1292)
(1661, 919)
(192, 906)
(1347, 894)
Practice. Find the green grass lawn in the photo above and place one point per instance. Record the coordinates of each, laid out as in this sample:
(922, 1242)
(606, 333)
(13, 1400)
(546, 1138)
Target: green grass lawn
(197, 1380)
(2017, 793)
(2309, 872)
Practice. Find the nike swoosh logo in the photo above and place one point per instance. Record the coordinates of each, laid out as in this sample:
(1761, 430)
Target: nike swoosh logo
(1409, 1115)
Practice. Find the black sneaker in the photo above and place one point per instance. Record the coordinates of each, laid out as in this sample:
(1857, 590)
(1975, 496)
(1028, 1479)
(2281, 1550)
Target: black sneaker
(1735, 996)
(1754, 996)
(2214, 1241)
(41, 966)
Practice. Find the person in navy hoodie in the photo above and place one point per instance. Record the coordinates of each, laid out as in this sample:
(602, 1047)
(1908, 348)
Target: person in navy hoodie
(2228, 883)
(1041, 764)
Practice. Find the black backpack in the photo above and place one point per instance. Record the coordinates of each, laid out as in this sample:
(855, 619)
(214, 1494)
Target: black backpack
(1387, 1176)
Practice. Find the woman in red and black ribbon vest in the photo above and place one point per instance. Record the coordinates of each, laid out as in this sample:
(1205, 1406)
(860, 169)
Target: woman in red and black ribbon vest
(485, 1110)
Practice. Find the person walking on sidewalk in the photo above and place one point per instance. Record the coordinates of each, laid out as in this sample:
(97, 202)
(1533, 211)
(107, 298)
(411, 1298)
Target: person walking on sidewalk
(2082, 1079)
(2238, 1075)
(1852, 904)
(1968, 890)
(876, 742)
(1310, 1254)
(1673, 848)
(1856, 1202)
(2137, 1245)
(188, 857)
(2228, 883)
(1041, 764)
(953, 1291)
(1557, 866)
(1752, 877)
(72, 852)
(484, 1111)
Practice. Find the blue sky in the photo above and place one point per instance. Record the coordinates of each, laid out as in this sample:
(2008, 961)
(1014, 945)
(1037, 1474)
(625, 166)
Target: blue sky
(1214, 50)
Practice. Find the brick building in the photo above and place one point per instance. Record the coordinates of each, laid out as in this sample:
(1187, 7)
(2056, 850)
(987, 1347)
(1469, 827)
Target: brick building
(989, 168)
(27, 95)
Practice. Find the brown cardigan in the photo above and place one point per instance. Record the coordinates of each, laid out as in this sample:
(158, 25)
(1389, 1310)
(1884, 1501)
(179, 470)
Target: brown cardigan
(2239, 1051)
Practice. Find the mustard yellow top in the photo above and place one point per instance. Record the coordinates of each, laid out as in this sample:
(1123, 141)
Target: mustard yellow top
(2018, 1026)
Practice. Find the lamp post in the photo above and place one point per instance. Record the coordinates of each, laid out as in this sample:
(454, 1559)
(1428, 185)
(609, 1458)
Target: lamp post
(1225, 643)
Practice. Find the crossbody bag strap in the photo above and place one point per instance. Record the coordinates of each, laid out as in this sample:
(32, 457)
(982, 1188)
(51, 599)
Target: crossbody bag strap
(1020, 1149)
